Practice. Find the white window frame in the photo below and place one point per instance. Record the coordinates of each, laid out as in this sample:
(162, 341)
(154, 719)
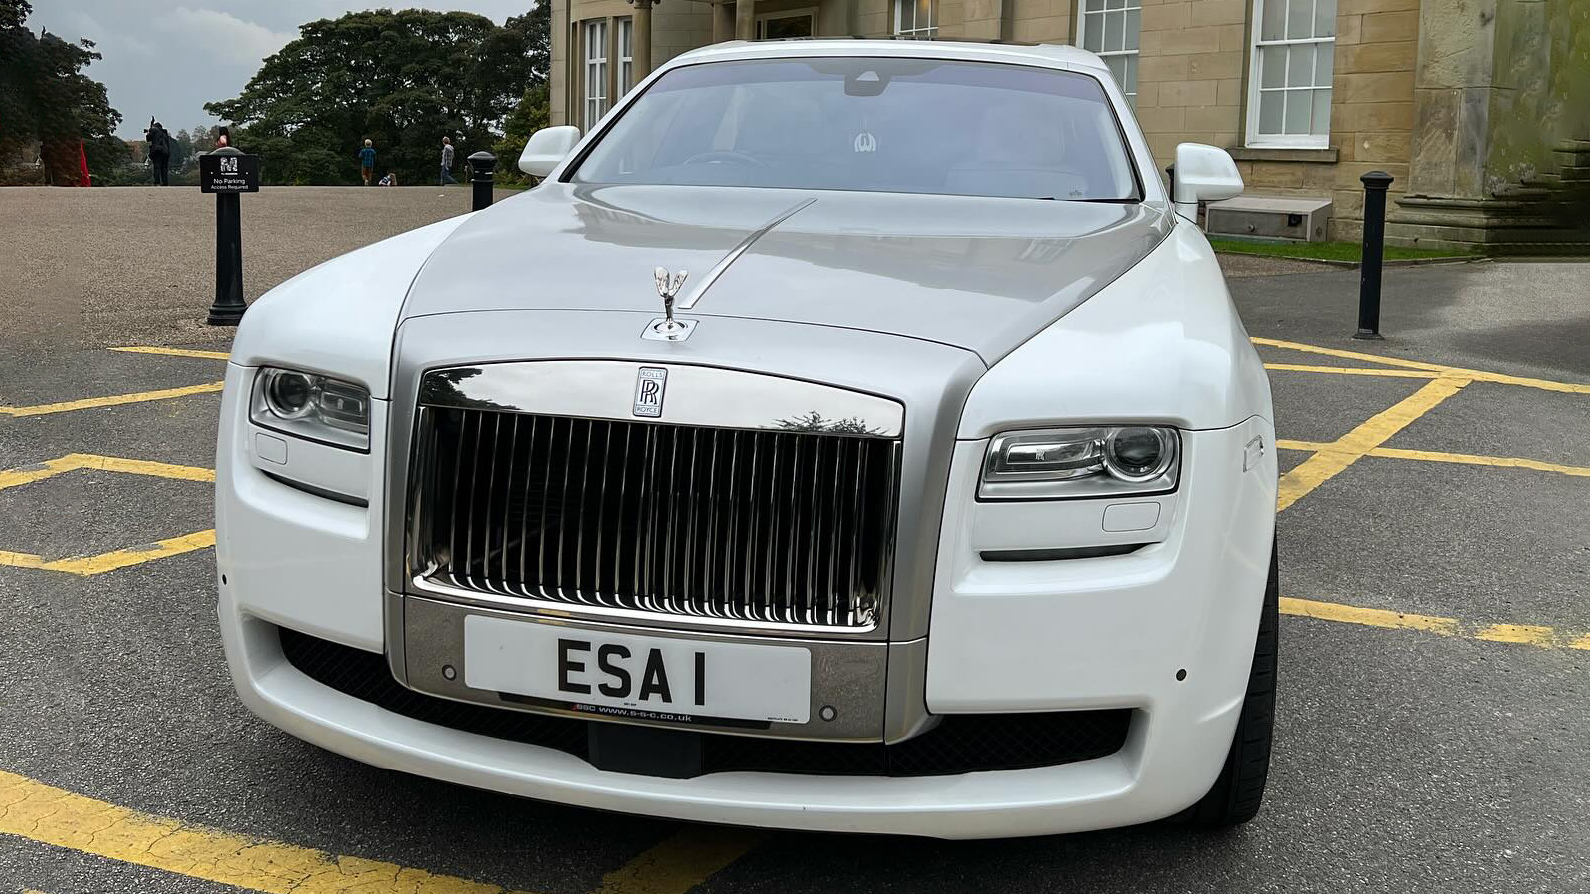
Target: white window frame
(626, 56)
(1256, 140)
(1135, 40)
(593, 39)
(763, 18)
(917, 31)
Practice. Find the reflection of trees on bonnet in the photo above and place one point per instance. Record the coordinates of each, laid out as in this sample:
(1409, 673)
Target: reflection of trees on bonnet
(442, 387)
(814, 422)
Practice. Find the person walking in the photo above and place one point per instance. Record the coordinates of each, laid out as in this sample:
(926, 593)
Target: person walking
(447, 162)
(367, 162)
(159, 152)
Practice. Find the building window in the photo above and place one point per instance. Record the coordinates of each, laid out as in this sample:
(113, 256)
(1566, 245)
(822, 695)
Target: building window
(916, 19)
(1289, 84)
(595, 71)
(626, 55)
(1110, 28)
(789, 23)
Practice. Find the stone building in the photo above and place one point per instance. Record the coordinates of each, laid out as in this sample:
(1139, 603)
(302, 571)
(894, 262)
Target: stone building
(1479, 108)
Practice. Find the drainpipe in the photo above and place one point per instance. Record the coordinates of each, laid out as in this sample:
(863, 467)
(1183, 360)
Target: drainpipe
(640, 46)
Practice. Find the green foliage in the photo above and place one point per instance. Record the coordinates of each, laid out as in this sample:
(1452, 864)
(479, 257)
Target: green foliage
(45, 96)
(401, 79)
(1327, 251)
(533, 112)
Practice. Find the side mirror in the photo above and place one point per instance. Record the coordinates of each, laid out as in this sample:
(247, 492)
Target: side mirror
(1203, 174)
(547, 148)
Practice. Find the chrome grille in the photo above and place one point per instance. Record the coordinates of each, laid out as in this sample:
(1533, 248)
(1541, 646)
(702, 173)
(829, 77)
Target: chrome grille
(787, 527)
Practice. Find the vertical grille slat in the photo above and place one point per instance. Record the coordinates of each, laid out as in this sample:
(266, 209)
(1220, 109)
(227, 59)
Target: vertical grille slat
(789, 527)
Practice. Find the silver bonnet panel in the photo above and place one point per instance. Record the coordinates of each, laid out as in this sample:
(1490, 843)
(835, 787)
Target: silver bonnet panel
(982, 274)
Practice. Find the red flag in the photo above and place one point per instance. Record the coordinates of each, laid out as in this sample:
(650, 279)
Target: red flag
(82, 163)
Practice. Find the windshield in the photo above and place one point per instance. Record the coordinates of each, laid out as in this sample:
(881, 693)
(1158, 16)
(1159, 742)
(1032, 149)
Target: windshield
(873, 124)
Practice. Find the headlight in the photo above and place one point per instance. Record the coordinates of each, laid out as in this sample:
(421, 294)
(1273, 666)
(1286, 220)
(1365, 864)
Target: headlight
(1060, 463)
(313, 407)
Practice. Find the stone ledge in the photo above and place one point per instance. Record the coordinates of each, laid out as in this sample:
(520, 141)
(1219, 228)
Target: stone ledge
(1317, 156)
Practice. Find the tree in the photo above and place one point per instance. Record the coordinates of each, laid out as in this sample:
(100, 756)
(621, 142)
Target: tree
(45, 96)
(402, 79)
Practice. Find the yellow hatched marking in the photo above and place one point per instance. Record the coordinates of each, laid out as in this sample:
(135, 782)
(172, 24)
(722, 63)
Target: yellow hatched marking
(1457, 372)
(43, 813)
(122, 558)
(175, 352)
(1331, 459)
(86, 566)
(112, 400)
(681, 862)
(1356, 371)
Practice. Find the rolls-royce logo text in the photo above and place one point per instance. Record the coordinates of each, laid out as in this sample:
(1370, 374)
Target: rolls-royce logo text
(650, 383)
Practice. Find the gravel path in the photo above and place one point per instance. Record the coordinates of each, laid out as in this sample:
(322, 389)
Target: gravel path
(130, 265)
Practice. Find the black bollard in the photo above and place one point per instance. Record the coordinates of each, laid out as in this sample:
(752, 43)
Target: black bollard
(227, 173)
(1375, 185)
(481, 165)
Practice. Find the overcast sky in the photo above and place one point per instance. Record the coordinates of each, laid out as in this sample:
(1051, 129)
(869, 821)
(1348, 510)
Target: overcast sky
(168, 58)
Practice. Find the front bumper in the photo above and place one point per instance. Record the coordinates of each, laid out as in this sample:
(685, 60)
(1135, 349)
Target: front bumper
(1004, 637)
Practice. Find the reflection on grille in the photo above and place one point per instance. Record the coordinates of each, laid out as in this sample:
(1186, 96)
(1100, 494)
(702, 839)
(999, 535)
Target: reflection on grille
(787, 527)
(961, 743)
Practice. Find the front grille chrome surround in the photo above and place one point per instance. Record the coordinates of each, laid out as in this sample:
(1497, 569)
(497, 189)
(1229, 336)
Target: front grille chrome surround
(684, 525)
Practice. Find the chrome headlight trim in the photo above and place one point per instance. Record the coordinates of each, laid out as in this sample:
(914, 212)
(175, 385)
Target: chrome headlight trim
(336, 413)
(1076, 462)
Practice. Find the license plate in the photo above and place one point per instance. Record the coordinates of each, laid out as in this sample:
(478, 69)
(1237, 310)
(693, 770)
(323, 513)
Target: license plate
(640, 676)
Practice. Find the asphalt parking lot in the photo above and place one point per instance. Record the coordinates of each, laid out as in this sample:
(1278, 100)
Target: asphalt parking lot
(1435, 561)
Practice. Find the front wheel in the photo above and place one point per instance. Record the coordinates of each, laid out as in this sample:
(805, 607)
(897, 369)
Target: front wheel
(1236, 794)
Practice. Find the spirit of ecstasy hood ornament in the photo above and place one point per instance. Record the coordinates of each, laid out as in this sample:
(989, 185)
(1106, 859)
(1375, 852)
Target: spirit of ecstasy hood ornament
(668, 287)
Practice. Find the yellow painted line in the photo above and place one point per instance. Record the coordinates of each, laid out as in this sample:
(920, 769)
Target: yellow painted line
(1518, 634)
(175, 352)
(143, 467)
(111, 400)
(27, 474)
(20, 560)
(123, 558)
(1333, 458)
(681, 862)
(1370, 617)
(1452, 371)
(1356, 371)
(43, 813)
(75, 461)
(1436, 456)
(1472, 460)
(1526, 634)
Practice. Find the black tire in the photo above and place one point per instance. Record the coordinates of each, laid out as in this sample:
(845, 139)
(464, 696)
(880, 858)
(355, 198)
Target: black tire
(1237, 793)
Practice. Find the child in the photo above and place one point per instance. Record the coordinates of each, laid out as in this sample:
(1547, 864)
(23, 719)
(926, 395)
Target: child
(367, 162)
(390, 179)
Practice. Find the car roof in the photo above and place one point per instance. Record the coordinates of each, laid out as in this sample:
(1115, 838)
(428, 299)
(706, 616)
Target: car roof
(1046, 55)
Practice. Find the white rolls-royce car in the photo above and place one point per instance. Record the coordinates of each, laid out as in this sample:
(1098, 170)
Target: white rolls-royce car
(844, 435)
